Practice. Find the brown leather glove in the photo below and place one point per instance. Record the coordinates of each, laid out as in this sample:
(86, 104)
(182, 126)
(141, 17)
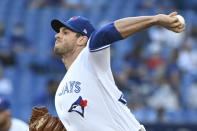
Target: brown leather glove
(41, 120)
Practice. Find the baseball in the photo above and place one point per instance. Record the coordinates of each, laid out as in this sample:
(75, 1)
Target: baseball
(181, 19)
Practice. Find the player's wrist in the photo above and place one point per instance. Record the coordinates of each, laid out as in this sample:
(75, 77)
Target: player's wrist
(158, 19)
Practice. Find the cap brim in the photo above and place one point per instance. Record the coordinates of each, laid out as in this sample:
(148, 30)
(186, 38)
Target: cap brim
(56, 25)
(4, 105)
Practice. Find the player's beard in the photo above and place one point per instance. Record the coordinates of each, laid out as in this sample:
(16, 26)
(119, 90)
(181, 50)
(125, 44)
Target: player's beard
(58, 52)
(62, 51)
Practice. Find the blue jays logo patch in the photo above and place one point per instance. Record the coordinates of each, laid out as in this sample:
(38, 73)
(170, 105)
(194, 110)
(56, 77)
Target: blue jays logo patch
(78, 106)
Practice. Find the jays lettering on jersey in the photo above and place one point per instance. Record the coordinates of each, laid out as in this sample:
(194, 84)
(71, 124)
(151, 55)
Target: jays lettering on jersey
(87, 98)
(71, 87)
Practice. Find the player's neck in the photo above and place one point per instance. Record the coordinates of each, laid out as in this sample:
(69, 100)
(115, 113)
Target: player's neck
(70, 58)
(6, 126)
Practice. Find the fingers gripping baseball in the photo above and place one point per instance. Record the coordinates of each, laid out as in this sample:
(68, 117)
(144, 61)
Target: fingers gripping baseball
(173, 14)
(41, 120)
(171, 22)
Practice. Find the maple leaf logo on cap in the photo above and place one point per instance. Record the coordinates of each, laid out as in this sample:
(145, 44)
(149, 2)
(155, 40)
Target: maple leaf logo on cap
(74, 18)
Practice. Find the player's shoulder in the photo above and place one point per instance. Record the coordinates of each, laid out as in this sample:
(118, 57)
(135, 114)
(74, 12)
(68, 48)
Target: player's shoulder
(17, 123)
(92, 51)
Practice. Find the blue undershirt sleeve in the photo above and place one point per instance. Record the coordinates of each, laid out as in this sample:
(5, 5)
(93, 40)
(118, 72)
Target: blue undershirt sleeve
(103, 37)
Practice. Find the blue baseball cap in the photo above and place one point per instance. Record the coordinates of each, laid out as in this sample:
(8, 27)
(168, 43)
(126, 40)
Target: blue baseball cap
(77, 24)
(4, 104)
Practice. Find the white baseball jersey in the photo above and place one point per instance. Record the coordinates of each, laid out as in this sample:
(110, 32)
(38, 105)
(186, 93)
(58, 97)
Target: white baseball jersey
(87, 98)
(18, 125)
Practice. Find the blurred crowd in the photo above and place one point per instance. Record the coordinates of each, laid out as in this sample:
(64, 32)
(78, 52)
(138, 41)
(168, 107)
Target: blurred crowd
(160, 75)
(156, 69)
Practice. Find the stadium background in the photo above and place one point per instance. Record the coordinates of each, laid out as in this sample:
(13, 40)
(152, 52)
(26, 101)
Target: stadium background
(156, 69)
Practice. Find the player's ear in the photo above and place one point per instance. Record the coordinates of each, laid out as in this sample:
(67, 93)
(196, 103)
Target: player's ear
(82, 40)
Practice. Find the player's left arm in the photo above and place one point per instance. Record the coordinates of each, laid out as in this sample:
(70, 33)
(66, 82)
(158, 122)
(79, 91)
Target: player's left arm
(125, 27)
(130, 25)
(103, 37)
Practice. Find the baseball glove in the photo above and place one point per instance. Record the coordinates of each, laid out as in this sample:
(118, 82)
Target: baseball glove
(41, 120)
